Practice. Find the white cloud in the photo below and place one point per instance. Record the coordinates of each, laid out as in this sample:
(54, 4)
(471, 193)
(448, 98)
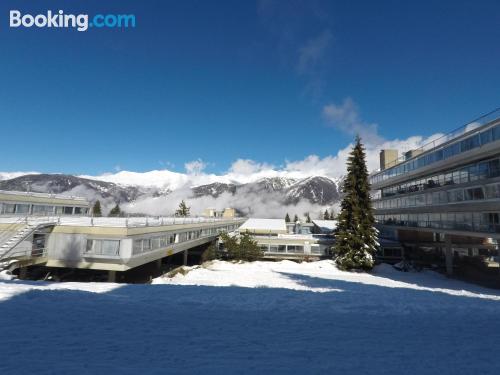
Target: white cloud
(345, 117)
(248, 167)
(195, 167)
(313, 52)
(9, 175)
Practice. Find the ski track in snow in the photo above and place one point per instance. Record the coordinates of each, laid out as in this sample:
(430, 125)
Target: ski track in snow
(259, 317)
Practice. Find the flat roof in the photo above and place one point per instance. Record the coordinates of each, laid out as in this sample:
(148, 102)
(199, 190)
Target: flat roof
(326, 224)
(117, 222)
(264, 225)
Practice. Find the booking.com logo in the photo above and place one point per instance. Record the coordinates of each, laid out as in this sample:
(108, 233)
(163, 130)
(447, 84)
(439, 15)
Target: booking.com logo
(79, 22)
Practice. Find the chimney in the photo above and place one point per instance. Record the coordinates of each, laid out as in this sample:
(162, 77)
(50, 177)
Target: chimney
(388, 158)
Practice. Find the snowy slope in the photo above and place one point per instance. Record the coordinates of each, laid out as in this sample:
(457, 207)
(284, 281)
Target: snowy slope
(305, 319)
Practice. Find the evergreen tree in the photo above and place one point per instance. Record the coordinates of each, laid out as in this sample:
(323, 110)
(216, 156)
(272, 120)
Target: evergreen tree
(295, 218)
(246, 248)
(332, 215)
(356, 237)
(326, 215)
(287, 218)
(308, 218)
(231, 248)
(249, 249)
(115, 211)
(210, 253)
(183, 210)
(96, 210)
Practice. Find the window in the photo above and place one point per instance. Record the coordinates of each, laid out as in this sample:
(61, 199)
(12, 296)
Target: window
(492, 191)
(486, 136)
(68, 210)
(42, 210)
(103, 247)
(155, 243)
(22, 208)
(475, 193)
(315, 249)
(8, 208)
(494, 168)
(78, 210)
(295, 249)
(137, 247)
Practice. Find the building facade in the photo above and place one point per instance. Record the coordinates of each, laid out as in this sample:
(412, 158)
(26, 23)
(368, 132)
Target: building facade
(445, 197)
(55, 231)
(41, 204)
(281, 240)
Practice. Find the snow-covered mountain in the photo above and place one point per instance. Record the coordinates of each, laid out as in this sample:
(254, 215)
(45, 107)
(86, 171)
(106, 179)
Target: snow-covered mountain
(108, 193)
(320, 190)
(263, 196)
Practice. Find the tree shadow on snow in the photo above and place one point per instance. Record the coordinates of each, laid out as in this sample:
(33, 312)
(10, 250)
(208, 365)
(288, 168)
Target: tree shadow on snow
(162, 329)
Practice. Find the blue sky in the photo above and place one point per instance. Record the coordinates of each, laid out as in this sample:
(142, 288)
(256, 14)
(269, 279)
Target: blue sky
(224, 80)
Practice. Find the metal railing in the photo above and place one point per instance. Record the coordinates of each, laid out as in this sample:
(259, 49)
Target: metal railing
(470, 127)
(127, 222)
(445, 224)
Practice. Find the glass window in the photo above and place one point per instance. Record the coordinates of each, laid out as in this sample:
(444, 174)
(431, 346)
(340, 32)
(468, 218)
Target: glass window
(494, 168)
(103, 247)
(486, 136)
(475, 193)
(42, 210)
(492, 191)
(67, 210)
(137, 247)
(496, 132)
(8, 208)
(295, 249)
(110, 247)
(22, 208)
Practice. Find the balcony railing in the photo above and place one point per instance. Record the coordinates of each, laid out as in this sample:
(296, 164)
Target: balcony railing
(450, 225)
(444, 147)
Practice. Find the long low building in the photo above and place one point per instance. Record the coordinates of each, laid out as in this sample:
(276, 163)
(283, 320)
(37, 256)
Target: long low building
(54, 231)
(281, 240)
(112, 244)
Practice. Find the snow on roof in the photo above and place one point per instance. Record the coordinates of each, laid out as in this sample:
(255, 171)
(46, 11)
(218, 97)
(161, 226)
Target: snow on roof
(326, 224)
(118, 222)
(269, 225)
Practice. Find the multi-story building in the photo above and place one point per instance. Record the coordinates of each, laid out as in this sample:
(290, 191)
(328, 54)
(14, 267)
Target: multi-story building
(444, 198)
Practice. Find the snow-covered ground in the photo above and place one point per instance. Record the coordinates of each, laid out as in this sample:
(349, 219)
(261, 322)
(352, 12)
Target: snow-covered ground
(256, 317)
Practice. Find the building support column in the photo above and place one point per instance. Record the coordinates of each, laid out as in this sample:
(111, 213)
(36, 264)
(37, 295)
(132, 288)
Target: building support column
(23, 272)
(448, 256)
(112, 276)
(185, 262)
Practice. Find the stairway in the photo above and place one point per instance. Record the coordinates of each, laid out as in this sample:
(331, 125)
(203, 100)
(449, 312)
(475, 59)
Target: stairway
(9, 242)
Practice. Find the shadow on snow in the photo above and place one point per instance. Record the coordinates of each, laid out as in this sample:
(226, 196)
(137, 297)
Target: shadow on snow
(158, 329)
